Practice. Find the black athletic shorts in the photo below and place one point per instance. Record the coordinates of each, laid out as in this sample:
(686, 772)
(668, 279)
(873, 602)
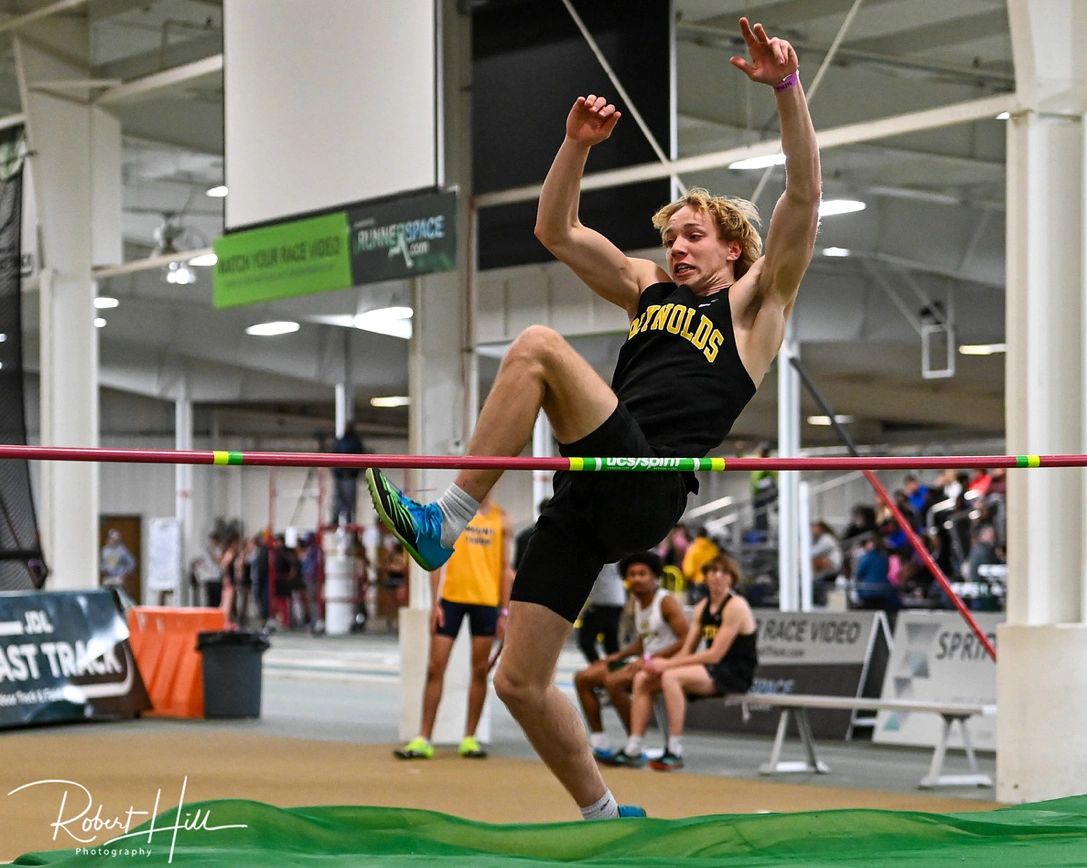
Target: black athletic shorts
(597, 518)
(482, 620)
(728, 680)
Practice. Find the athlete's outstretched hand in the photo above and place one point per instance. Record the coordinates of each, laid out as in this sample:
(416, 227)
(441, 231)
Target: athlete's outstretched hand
(591, 120)
(771, 59)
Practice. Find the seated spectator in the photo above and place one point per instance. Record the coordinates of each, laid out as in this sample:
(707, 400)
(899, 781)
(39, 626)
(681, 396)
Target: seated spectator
(917, 494)
(872, 584)
(982, 553)
(701, 551)
(980, 483)
(826, 560)
(660, 628)
(862, 520)
(726, 629)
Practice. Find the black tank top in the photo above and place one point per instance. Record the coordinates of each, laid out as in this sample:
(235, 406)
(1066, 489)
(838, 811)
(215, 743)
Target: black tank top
(742, 656)
(679, 372)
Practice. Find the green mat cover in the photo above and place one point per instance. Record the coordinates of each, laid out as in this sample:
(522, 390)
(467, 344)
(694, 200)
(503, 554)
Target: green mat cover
(1045, 833)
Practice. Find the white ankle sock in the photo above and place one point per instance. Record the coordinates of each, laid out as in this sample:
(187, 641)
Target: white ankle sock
(675, 745)
(604, 808)
(634, 746)
(458, 508)
(599, 741)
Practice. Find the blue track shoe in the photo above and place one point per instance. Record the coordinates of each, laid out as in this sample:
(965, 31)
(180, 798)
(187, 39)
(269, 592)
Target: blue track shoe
(630, 811)
(418, 526)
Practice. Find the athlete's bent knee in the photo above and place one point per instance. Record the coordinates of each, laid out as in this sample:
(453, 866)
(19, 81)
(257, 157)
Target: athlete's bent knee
(514, 691)
(536, 344)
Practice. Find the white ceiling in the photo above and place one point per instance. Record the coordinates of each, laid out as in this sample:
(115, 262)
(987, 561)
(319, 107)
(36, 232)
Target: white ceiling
(933, 228)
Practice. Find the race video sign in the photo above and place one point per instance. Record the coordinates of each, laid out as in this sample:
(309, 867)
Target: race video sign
(938, 658)
(65, 656)
(370, 242)
(402, 238)
(823, 653)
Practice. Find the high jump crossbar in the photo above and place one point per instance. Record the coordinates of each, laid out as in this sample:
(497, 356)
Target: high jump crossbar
(487, 462)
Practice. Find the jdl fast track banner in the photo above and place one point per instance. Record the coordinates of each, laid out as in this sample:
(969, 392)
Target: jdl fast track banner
(366, 243)
(65, 656)
(825, 653)
(938, 658)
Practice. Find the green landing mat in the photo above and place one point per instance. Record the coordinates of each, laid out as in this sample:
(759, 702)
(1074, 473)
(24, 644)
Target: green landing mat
(256, 834)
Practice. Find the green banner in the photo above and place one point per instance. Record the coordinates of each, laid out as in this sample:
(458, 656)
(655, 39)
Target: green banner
(402, 238)
(367, 243)
(297, 258)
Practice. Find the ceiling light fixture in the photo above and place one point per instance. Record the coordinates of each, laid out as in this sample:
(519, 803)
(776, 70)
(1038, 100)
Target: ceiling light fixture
(392, 321)
(217, 192)
(391, 401)
(1003, 116)
(99, 322)
(105, 302)
(836, 251)
(270, 329)
(179, 273)
(204, 260)
(759, 162)
(833, 207)
(824, 421)
(982, 349)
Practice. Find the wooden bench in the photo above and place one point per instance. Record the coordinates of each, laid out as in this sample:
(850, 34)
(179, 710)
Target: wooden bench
(798, 705)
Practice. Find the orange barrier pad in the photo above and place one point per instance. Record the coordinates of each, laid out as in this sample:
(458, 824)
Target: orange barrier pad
(163, 641)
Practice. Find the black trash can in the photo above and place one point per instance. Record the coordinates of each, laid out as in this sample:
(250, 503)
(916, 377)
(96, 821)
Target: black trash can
(232, 672)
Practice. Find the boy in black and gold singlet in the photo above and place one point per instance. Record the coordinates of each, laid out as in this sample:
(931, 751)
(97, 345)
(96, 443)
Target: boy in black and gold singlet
(701, 336)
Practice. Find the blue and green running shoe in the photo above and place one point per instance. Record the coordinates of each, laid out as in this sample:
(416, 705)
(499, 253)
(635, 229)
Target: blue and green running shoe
(418, 526)
(631, 811)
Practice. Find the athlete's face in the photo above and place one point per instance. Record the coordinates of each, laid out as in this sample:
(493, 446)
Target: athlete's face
(641, 579)
(697, 256)
(718, 580)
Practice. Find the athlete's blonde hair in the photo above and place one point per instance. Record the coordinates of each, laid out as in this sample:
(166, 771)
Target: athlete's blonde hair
(736, 220)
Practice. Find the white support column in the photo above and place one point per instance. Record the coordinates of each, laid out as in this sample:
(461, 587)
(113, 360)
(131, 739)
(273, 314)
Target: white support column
(542, 447)
(788, 480)
(75, 146)
(439, 423)
(803, 553)
(1041, 676)
(183, 485)
(343, 403)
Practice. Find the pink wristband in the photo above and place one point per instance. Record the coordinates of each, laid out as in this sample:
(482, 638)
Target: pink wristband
(791, 80)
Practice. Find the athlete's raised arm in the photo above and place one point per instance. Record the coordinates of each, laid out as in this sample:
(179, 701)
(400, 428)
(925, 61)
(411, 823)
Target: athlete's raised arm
(606, 269)
(791, 235)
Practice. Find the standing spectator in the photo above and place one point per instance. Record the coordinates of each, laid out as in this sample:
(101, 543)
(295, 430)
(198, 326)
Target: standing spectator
(603, 610)
(311, 577)
(674, 547)
(116, 562)
(205, 574)
(474, 584)
(230, 555)
(701, 551)
(345, 479)
(826, 560)
(257, 558)
(243, 582)
(862, 520)
(764, 491)
(392, 577)
(520, 543)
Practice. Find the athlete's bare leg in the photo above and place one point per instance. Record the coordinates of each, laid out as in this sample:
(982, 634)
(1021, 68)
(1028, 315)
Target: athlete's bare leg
(524, 681)
(540, 371)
